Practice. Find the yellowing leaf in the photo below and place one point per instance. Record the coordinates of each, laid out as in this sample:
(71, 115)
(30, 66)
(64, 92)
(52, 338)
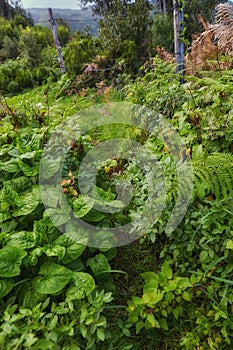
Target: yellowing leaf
(229, 245)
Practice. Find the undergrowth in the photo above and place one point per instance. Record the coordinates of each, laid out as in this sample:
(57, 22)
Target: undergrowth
(167, 290)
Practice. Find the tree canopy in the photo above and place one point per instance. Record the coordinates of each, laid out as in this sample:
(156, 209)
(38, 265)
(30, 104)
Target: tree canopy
(10, 8)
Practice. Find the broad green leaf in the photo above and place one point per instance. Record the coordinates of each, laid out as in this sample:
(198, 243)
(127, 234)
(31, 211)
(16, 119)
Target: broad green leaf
(203, 255)
(20, 184)
(53, 278)
(9, 225)
(149, 276)
(23, 239)
(139, 326)
(13, 152)
(55, 250)
(73, 250)
(162, 278)
(151, 319)
(85, 281)
(229, 245)
(98, 264)
(58, 216)
(183, 282)
(4, 216)
(152, 298)
(30, 298)
(150, 287)
(76, 233)
(9, 195)
(28, 202)
(166, 270)
(100, 334)
(6, 286)
(84, 285)
(137, 301)
(98, 194)
(43, 344)
(123, 219)
(118, 205)
(104, 238)
(45, 229)
(82, 205)
(163, 324)
(29, 170)
(10, 261)
(186, 296)
(27, 155)
(76, 265)
(10, 166)
(83, 330)
(49, 167)
(94, 216)
(50, 195)
(197, 152)
(171, 286)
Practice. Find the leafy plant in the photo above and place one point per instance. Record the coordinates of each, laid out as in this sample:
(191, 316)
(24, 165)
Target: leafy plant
(214, 175)
(164, 296)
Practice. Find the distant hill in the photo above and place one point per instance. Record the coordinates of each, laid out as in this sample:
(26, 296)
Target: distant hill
(76, 19)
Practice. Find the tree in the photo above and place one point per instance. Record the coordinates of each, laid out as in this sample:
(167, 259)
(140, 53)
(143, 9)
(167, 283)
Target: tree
(162, 32)
(63, 31)
(79, 50)
(33, 40)
(103, 7)
(10, 8)
(125, 28)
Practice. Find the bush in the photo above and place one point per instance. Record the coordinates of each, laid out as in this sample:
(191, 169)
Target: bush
(80, 50)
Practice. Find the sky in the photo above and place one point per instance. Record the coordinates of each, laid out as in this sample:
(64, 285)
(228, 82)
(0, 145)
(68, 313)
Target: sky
(73, 4)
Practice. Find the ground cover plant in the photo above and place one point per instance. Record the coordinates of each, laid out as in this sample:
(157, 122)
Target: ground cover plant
(60, 294)
(169, 289)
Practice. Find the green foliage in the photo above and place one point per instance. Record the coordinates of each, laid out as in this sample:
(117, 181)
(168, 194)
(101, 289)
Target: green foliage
(162, 32)
(32, 42)
(164, 297)
(9, 39)
(194, 8)
(125, 29)
(158, 89)
(55, 292)
(27, 55)
(213, 175)
(190, 295)
(49, 299)
(11, 8)
(49, 325)
(80, 50)
(64, 34)
(35, 62)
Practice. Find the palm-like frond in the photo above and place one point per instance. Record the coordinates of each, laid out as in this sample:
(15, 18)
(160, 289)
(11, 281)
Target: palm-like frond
(223, 28)
(216, 38)
(224, 14)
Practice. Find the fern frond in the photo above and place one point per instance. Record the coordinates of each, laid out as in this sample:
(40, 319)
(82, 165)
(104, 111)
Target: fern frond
(224, 14)
(223, 28)
(214, 176)
(216, 38)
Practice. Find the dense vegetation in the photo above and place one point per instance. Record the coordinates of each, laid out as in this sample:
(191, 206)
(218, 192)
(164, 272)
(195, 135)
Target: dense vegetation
(170, 288)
